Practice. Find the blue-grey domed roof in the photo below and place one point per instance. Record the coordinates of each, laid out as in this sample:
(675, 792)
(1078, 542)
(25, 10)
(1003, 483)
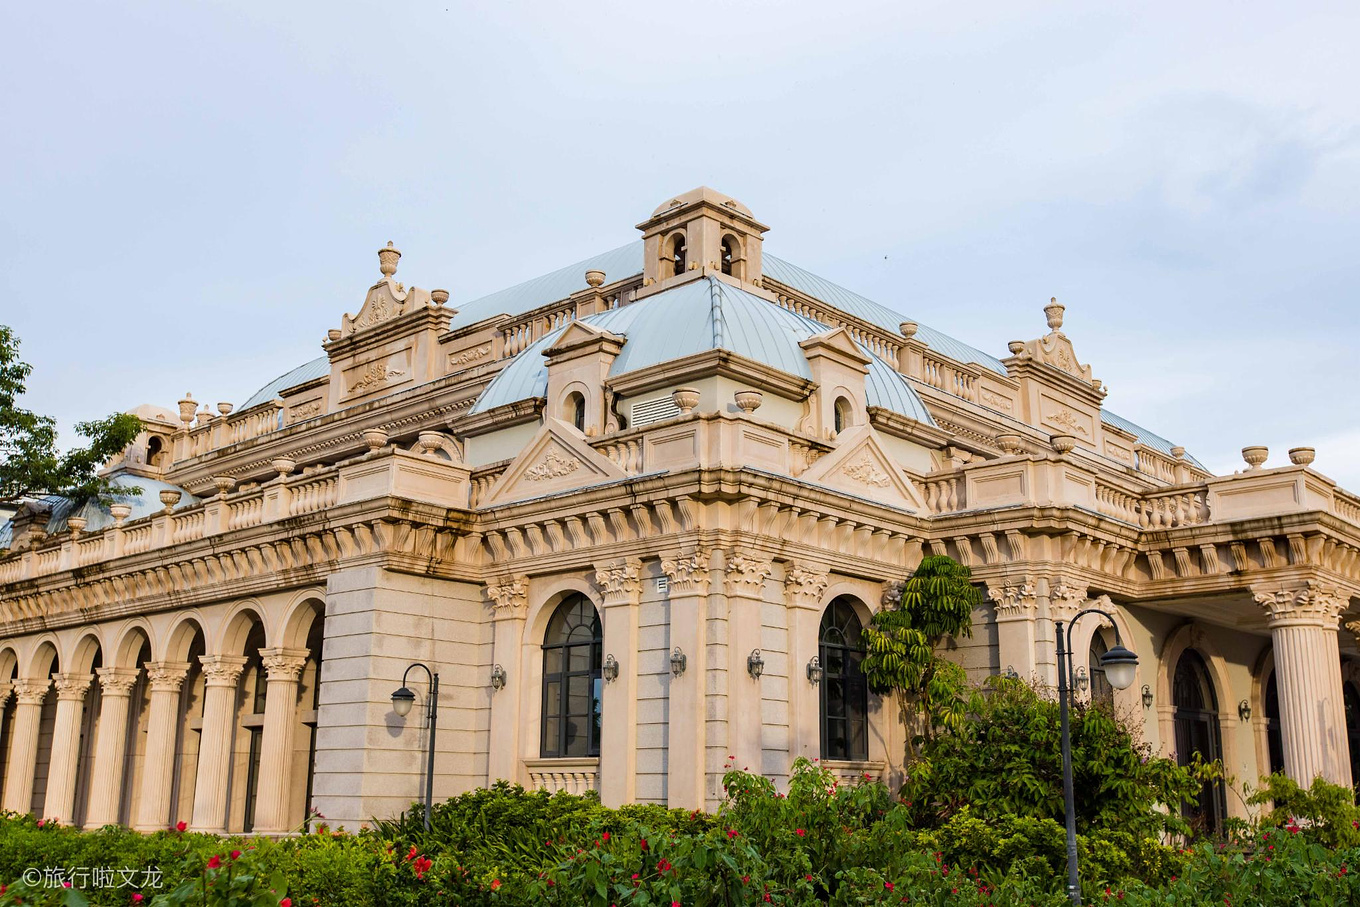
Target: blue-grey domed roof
(97, 515)
(701, 315)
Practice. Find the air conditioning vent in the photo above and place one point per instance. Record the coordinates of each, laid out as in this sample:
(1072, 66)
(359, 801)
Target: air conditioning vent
(645, 412)
(663, 584)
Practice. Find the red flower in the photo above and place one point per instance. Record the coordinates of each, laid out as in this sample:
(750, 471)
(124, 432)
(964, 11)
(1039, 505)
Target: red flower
(286, 902)
(236, 854)
(42, 822)
(495, 883)
(215, 862)
(411, 855)
(800, 833)
(644, 844)
(675, 904)
(422, 866)
(181, 826)
(888, 885)
(136, 897)
(731, 833)
(605, 836)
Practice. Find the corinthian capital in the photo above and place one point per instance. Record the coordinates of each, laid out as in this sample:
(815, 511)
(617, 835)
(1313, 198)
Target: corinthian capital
(746, 575)
(509, 595)
(1309, 602)
(803, 587)
(117, 681)
(72, 686)
(32, 692)
(688, 573)
(222, 670)
(1014, 599)
(620, 582)
(1065, 599)
(166, 676)
(283, 664)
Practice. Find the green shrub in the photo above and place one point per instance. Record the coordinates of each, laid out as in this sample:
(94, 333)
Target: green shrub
(1325, 813)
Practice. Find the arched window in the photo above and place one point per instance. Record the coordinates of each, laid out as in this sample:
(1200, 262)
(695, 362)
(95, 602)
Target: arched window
(844, 694)
(576, 410)
(677, 255)
(842, 414)
(1101, 691)
(1350, 695)
(1197, 731)
(1274, 733)
(571, 681)
(731, 256)
(153, 451)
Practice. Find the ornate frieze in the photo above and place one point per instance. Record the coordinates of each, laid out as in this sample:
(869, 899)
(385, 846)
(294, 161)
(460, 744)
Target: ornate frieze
(746, 575)
(620, 581)
(1309, 602)
(1014, 599)
(865, 472)
(467, 357)
(552, 466)
(372, 376)
(688, 573)
(509, 595)
(803, 587)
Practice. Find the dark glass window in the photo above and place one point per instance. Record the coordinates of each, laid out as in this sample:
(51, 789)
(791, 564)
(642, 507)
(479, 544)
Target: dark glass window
(1274, 734)
(1197, 731)
(1351, 697)
(578, 412)
(571, 681)
(1101, 691)
(844, 694)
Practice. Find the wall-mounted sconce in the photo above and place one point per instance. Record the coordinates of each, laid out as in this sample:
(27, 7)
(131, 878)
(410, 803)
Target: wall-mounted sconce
(755, 664)
(1244, 710)
(1011, 673)
(497, 677)
(678, 662)
(1083, 680)
(610, 669)
(814, 670)
(1147, 696)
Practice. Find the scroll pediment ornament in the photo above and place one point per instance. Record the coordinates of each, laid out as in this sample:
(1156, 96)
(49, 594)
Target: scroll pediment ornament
(1056, 349)
(556, 459)
(860, 465)
(388, 298)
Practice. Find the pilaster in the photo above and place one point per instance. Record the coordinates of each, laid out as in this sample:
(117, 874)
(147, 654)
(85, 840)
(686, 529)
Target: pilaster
(744, 579)
(1303, 620)
(61, 774)
(106, 778)
(804, 587)
(284, 666)
(621, 585)
(509, 603)
(153, 807)
(1017, 609)
(221, 673)
(22, 759)
(689, 578)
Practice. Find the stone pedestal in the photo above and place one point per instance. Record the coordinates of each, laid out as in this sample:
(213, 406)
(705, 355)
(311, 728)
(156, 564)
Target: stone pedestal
(22, 759)
(221, 673)
(106, 778)
(1303, 631)
(687, 735)
(284, 666)
(61, 774)
(621, 584)
(152, 812)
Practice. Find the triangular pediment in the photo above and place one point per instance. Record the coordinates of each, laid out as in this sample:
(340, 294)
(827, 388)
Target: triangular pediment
(556, 459)
(579, 333)
(863, 467)
(837, 340)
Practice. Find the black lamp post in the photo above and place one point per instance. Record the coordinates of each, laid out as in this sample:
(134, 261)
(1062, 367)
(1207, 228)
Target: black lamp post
(402, 700)
(1119, 664)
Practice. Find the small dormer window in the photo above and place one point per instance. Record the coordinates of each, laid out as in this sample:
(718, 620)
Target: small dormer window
(153, 451)
(677, 257)
(576, 408)
(842, 414)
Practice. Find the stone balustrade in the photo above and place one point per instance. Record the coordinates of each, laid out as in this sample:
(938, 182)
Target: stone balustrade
(946, 375)
(231, 429)
(573, 775)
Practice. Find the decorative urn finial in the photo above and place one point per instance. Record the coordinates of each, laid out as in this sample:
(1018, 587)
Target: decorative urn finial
(594, 277)
(387, 259)
(439, 296)
(1054, 313)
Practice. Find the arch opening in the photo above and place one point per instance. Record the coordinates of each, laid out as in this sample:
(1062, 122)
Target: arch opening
(571, 717)
(844, 693)
(1198, 733)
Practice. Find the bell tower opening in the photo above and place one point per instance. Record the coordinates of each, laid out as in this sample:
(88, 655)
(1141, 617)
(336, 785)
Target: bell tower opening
(699, 233)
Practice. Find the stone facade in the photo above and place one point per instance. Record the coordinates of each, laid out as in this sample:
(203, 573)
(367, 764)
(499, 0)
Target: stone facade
(440, 485)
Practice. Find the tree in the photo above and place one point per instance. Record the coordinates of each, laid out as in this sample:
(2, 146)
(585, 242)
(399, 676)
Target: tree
(937, 601)
(30, 463)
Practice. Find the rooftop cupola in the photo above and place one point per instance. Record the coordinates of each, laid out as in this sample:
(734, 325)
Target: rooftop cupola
(698, 233)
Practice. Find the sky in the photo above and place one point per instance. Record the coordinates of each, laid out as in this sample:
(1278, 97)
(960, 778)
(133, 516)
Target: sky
(192, 194)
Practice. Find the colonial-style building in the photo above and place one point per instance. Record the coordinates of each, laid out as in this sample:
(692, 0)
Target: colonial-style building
(635, 513)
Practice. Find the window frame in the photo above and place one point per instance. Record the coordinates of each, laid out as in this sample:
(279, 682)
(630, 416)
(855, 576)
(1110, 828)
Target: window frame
(559, 710)
(854, 697)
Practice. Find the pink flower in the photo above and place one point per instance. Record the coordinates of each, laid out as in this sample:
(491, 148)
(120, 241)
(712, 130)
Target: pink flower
(800, 832)
(42, 822)
(181, 826)
(136, 897)
(888, 885)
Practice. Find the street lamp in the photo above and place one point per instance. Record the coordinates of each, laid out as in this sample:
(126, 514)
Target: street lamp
(1120, 665)
(402, 700)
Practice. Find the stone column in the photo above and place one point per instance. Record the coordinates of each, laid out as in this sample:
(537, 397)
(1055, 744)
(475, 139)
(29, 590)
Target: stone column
(162, 732)
(276, 748)
(621, 583)
(803, 591)
(510, 598)
(221, 673)
(106, 779)
(687, 735)
(61, 773)
(745, 577)
(1016, 606)
(22, 760)
(1303, 633)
